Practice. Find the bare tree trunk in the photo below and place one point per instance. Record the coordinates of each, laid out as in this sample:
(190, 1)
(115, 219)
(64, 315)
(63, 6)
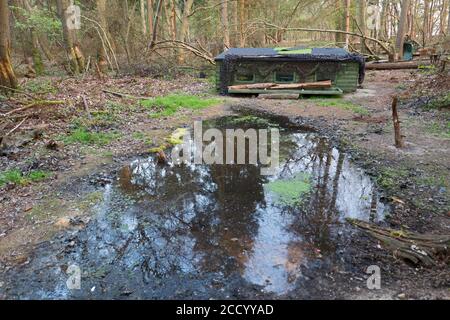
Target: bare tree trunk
(184, 29)
(242, 22)
(74, 53)
(347, 22)
(173, 19)
(150, 14)
(411, 22)
(7, 75)
(402, 29)
(143, 17)
(362, 22)
(235, 24)
(225, 24)
(448, 26)
(155, 23)
(448, 18)
(426, 22)
(30, 41)
(101, 54)
(443, 17)
(383, 26)
(397, 131)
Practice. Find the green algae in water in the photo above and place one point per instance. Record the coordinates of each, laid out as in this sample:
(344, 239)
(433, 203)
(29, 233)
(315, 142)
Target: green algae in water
(290, 191)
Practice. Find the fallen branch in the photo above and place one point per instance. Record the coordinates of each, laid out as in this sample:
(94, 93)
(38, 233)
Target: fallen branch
(17, 91)
(32, 105)
(417, 248)
(124, 95)
(16, 127)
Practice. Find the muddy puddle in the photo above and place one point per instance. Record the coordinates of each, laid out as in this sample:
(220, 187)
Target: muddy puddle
(209, 231)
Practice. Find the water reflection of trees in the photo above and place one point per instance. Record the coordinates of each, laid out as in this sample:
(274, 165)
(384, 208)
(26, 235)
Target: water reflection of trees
(215, 204)
(234, 224)
(192, 218)
(316, 216)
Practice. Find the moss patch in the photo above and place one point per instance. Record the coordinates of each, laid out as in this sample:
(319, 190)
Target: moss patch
(389, 178)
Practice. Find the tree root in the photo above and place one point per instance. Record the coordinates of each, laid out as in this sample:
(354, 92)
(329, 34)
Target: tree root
(417, 248)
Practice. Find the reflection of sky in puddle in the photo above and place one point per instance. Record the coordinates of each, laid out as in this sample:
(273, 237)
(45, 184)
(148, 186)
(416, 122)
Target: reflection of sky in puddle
(277, 254)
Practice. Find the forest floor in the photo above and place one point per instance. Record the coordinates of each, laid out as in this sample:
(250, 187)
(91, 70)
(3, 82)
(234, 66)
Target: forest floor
(53, 158)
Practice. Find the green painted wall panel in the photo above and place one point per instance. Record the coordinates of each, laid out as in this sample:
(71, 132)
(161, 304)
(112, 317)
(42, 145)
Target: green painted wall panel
(346, 78)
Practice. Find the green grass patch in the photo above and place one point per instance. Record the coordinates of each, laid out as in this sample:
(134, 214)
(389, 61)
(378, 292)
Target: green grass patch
(439, 130)
(440, 102)
(290, 191)
(17, 177)
(169, 105)
(40, 86)
(83, 136)
(342, 104)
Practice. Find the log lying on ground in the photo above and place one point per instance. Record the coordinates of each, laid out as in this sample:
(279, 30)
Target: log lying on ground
(396, 65)
(308, 85)
(274, 86)
(417, 248)
(253, 86)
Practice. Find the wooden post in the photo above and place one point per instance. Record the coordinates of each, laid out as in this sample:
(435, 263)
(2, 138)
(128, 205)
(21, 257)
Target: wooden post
(398, 136)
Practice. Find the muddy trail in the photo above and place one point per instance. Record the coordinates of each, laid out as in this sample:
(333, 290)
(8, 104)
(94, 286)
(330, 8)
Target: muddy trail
(213, 231)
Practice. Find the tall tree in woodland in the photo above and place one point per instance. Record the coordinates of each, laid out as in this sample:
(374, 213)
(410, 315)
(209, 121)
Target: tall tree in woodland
(143, 17)
(7, 76)
(159, 7)
(347, 21)
(150, 14)
(362, 7)
(101, 54)
(28, 39)
(184, 28)
(426, 22)
(443, 17)
(72, 45)
(225, 24)
(402, 27)
(448, 26)
(242, 22)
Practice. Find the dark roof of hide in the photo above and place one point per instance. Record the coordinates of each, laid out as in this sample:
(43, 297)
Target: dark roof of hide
(269, 53)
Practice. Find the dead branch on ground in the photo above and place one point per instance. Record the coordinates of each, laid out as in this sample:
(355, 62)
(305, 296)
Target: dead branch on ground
(40, 103)
(417, 248)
